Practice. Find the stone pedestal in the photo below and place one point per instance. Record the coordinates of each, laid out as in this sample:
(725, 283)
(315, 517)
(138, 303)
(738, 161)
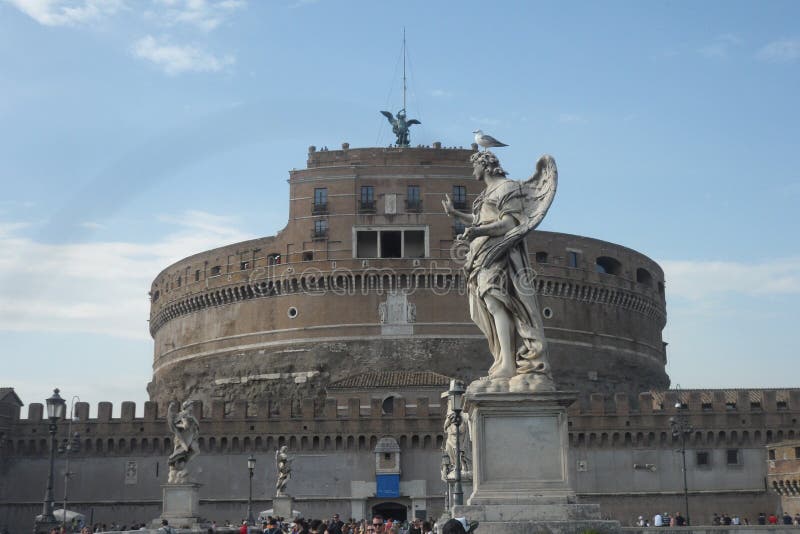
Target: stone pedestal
(181, 505)
(520, 472)
(283, 506)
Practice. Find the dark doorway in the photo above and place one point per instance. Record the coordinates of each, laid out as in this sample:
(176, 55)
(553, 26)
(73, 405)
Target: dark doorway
(390, 510)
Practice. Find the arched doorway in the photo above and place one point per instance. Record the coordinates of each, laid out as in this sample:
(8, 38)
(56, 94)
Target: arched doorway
(393, 510)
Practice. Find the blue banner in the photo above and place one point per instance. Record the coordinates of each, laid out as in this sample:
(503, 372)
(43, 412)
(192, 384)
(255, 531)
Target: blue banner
(387, 485)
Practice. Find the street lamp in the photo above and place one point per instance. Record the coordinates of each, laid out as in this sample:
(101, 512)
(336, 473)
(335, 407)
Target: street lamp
(681, 427)
(445, 472)
(251, 466)
(55, 411)
(456, 394)
(70, 444)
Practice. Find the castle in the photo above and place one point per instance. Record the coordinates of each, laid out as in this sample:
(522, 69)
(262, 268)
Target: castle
(337, 337)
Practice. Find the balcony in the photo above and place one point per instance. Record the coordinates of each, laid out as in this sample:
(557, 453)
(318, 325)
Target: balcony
(366, 206)
(319, 208)
(414, 205)
(319, 234)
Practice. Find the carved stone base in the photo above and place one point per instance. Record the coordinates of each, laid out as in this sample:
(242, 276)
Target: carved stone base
(181, 505)
(283, 506)
(520, 473)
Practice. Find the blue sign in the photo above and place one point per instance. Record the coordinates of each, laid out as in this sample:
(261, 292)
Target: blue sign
(387, 485)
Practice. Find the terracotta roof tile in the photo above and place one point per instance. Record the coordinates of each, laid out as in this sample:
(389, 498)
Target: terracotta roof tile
(392, 379)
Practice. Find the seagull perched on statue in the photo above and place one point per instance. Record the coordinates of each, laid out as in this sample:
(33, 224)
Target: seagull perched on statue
(486, 141)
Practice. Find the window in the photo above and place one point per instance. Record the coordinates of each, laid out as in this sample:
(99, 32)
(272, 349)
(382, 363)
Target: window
(321, 200)
(308, 255)
(732, 456)
(730, 406)
(608, 265)
(644, 277)
(197, 275)
(797, 452)
(243, 266)
(413, 201)
(707, 407)
(703, 459)
(367, 201)
(459, 197)
(572, 259)
(320, 229)
(458, 228)
(771, 454)
(274, 259)
(541, 257)
(179, 281)
(390, 243)
(387, 406)
(782, 405)
(156, 295)
(216, 270)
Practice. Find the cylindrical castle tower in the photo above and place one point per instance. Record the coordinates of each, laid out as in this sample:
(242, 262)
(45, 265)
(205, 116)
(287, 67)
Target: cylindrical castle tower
(365, 276)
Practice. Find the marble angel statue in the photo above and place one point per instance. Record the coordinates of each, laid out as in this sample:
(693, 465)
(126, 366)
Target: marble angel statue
(499, 276)
(185, 429)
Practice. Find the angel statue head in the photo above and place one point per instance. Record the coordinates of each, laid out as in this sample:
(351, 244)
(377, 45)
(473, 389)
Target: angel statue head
(486, 162)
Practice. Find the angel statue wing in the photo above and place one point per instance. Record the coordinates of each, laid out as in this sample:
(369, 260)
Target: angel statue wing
(171, 418)
(413, 121)
(538, 193)
(388, 116)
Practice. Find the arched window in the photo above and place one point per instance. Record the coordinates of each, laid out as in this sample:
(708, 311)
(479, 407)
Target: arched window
(643, 276)
(387, 407)
(541, 257)
(608, 265)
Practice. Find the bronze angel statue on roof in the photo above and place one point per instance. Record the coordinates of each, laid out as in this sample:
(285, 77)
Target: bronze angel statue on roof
(499, 276)
(400, 126)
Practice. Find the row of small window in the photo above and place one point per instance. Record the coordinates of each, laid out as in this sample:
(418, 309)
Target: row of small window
(732, 457)
(366, 201)
(771, 454)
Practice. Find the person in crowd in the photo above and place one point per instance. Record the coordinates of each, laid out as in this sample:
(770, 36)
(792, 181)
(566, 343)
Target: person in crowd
(679, 520)
(772, 519)
(377, 524)
(658, 520)
(787, 519)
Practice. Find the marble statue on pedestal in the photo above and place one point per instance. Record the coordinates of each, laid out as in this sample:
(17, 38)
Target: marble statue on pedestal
(500, 279)
(283, 463)
(185, 429)
(450, 429)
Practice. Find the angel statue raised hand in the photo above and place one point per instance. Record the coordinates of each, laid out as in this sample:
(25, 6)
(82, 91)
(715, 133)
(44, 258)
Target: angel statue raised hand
(283, 463)
(502, 300)
(185, 429)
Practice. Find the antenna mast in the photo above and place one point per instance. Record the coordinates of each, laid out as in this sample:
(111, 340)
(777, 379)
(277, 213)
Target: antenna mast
(404, 67)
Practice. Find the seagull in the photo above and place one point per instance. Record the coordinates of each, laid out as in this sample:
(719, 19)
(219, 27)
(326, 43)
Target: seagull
(486, 141)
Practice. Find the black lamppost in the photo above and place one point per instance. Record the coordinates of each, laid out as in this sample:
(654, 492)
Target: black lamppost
(456, 394)
(681, 427)
(70, 444)
(251, 466)
(445, 476)
(55, 411)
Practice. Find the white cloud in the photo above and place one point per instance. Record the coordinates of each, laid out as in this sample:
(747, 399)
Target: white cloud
(720, 47)
(67, 12)
(441, 93)
(783, 51)
(204, 14)
(700, 280)
(98, 287)
(571, 118)
(175, 59)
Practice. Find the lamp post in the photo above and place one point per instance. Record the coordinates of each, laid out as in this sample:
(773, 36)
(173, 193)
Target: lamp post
(55, 411)
(681, 427)
(71, 444)
(456, 394)
(445, 472)
(251, 466)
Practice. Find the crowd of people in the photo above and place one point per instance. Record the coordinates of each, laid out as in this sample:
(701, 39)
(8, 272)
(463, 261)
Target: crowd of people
(377, 525)
(677, 520)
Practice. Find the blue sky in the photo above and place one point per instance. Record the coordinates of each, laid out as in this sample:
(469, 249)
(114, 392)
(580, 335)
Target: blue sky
(136, 132)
